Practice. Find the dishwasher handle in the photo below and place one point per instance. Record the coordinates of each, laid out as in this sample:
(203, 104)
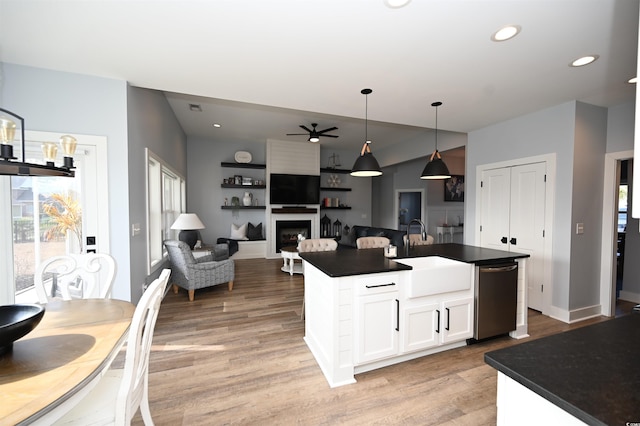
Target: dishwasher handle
(506, 268)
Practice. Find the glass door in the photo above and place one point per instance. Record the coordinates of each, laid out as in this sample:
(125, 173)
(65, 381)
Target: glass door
(52, 216)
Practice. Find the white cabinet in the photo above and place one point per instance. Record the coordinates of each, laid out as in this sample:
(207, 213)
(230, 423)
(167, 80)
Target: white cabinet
(420, 325)
(433, 322)
(456, 320)
(377, 317)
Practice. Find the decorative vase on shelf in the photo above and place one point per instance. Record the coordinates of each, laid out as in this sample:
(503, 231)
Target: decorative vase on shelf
(247, 200)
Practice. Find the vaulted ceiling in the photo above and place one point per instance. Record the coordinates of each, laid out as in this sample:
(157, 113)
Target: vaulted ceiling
(262, 68)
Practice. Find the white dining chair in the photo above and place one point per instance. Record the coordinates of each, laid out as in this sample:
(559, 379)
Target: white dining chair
(75, 276)
(118, 395)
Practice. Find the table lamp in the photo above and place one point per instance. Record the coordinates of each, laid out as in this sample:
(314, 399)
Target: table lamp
(188, 224)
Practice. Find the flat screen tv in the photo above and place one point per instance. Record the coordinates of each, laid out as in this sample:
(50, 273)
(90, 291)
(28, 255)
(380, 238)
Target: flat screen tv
(294, 190)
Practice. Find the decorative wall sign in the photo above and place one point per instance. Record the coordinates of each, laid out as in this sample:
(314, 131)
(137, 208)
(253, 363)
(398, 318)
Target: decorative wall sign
(454, 188)
(243, 157)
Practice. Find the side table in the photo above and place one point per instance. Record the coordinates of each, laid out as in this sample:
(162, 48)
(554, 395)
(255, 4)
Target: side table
(289, 256)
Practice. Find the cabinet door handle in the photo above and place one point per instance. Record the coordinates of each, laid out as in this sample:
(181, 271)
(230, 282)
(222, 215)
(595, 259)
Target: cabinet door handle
(503, 240)
(397, 315)
(512, 241)
(438, 322)
(447, 327)
(380, 285)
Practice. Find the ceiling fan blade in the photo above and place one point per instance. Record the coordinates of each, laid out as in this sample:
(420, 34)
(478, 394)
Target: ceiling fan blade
(297, 134)
(330, 136)
(330, 129)
(306, 128)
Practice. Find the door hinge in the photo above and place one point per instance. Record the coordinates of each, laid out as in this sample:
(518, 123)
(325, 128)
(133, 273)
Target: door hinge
(480, 228)
(541, 288)
(481, 184)
(545, 178)
(543, 235)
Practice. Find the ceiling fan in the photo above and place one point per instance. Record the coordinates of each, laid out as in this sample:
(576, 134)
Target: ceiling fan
(314, 135)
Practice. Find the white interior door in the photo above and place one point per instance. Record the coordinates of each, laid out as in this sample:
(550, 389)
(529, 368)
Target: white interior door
(527, 225)
(496, 208)
(513, 218)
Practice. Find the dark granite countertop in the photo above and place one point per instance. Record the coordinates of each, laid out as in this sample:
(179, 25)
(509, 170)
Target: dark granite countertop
(591, 372)
(347, 262)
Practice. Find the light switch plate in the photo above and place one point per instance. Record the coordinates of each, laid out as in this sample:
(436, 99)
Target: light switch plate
(579, 228)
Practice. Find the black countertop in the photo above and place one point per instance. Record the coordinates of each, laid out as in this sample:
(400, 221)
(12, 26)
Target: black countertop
(592, 372)
(347, 262)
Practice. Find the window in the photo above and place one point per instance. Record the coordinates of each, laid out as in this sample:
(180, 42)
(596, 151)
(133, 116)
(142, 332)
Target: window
(622, 207)
(165, 201)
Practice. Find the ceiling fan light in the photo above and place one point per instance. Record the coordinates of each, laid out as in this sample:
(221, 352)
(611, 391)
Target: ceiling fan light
(314, 139)
(436, 169)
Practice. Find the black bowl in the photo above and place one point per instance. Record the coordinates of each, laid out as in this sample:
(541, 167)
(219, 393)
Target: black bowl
(17, 321)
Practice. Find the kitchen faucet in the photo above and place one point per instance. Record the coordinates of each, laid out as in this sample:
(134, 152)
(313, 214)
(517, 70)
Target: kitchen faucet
(423, 231)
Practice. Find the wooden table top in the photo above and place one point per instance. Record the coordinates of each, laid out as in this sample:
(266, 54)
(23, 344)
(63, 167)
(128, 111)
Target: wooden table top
(75, 341)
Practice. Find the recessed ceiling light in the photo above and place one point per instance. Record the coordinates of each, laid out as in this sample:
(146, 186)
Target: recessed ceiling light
(396, 4)
(585, 60)
(195, 107)
(216, 125)
(633, 80)
(507, 32)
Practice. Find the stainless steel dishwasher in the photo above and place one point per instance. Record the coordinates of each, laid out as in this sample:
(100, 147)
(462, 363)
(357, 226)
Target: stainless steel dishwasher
(496, 299)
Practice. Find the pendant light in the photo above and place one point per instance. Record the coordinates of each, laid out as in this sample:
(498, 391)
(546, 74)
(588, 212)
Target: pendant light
(366, 164)
(435, 168)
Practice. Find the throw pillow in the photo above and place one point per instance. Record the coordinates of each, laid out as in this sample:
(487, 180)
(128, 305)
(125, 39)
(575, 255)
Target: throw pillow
(254, 232)
(239, 232)
(349, 239)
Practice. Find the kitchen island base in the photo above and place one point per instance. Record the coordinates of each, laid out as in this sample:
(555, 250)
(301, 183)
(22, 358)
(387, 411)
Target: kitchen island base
(355, 324)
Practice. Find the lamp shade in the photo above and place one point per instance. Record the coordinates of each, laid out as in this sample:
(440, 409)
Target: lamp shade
(436, 169)
(188, 223)
(366, 165)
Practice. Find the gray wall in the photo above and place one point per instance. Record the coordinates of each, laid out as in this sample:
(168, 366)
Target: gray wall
(588, 184)
(72, 103)
(204, 195)
(407, 176)
(548, 131)
(151, 124)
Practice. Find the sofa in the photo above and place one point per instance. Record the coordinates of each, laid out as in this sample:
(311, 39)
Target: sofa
(357, 231)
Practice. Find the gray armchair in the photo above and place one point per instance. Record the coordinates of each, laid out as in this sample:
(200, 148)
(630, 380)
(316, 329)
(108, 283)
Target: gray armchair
(191, 273)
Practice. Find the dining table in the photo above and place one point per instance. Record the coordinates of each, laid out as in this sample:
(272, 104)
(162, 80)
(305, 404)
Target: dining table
(49, 370)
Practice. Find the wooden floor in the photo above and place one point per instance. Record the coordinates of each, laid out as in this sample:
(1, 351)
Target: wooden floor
(238, 358)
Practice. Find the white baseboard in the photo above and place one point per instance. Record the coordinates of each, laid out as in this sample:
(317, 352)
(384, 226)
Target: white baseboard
(575, 315)
(251, 250)
(629, 296)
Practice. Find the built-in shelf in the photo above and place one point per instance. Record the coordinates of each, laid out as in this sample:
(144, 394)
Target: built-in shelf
(340, 171)
(243, 165)
(335, 208)
(329, 188)
(242, 207)
(233, 185)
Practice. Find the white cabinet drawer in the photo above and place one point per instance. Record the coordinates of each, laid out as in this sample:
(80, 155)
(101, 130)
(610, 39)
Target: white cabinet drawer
(376, 284)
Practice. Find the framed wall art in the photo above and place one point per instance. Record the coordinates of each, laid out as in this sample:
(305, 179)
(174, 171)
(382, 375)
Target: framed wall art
(454, 188)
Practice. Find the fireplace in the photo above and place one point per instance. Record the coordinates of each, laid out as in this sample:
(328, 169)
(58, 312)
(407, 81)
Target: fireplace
(287, 232)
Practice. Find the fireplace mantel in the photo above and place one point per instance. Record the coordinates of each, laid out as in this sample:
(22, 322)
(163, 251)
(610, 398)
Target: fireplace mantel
(294, 210)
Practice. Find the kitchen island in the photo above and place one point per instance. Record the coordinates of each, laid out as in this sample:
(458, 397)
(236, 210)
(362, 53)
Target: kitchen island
(364, 311)
(590, 375)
